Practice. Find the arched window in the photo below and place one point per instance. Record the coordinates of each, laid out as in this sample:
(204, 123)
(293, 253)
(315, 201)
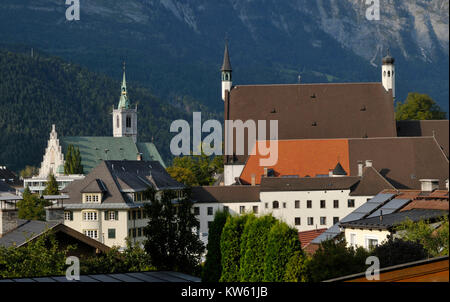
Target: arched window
(275, 204)
(385, 73)
(128, 121)
(118, 122)
(389, 74)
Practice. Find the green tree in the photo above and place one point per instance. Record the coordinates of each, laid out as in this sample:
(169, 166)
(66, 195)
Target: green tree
(230, 246)
(132, 259)
(433, 237)
(196, 170)
(29, 171)
(334, 259)
(252, 261)
(396, 251)
(282, 243)
(31, 207)
(52, 186)
(212, 269)
(72, 163)
(171, 242)
(419, 107)
(40, 257)
(297, 268)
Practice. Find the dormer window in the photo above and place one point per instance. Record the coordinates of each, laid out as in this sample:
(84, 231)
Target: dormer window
(92, 197)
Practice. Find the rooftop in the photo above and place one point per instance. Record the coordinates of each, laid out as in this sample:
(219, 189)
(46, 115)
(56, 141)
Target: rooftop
(388, 221)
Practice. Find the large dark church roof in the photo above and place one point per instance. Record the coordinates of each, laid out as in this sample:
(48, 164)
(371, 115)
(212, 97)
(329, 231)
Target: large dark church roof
(316, 111)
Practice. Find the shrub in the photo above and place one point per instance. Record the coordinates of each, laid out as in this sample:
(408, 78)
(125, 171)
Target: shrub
(230, 245)
(282, 243)
(252, 262)
(334, 259)
(212, 269)
(397, 251)
(297, 268)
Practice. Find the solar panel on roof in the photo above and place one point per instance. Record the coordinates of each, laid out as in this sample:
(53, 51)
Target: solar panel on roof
(367, 208)
(381, 198)
(352, 216)
(378, 212)
(396, 203)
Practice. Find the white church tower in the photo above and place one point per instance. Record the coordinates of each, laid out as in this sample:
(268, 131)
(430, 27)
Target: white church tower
(226, 73)
(388, 73)
(125, 117)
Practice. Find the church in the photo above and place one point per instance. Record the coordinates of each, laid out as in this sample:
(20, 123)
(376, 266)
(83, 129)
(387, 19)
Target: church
(122, 145)
(319, 111)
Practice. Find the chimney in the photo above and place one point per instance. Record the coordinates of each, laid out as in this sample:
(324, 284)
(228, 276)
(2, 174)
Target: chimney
(369, 163)
(253, 180)
(265, 172)
(9, 218)
(360, 168)
(429, 185)
(381, 216)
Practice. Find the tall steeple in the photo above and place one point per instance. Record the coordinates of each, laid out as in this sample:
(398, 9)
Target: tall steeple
(124, 102)
(125, 117)
(226, 72)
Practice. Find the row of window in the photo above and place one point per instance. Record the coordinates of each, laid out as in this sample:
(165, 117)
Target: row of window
(91, 198)
(136, 214)
(310, 220)
(309, 204)
(276, 205)
(135, 232)
(93, 215)
(94, 233)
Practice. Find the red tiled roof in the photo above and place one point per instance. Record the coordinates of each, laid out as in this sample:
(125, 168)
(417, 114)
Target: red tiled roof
(308, 236)
(302, 158)
(402, 161)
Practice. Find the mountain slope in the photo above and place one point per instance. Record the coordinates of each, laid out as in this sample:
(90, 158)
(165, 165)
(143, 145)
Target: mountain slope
(175, 46)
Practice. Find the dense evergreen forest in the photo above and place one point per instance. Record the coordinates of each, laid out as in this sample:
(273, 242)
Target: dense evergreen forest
(38, 91)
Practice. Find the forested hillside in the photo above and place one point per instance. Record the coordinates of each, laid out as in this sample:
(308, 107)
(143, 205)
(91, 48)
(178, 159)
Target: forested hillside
(38, 91)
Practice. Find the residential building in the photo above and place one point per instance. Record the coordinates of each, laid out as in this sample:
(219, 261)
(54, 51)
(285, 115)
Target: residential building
(372, 231)
(390, 201)
(306, 203)
(10, 178)
(107, 205)
(38, 184)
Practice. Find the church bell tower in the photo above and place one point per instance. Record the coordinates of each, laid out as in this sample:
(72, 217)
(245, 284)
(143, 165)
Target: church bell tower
(125, 117)
(226, 73)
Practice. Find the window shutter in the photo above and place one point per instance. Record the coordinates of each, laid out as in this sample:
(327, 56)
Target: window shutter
(106, 215)
(116, 215)
(71, 216)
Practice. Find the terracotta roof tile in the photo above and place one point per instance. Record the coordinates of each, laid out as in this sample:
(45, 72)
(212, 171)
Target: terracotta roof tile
(307, 236)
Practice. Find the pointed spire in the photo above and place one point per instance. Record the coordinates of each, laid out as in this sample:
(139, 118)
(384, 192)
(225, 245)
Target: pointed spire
(124, 102)
(226, 66)
(124, 81)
